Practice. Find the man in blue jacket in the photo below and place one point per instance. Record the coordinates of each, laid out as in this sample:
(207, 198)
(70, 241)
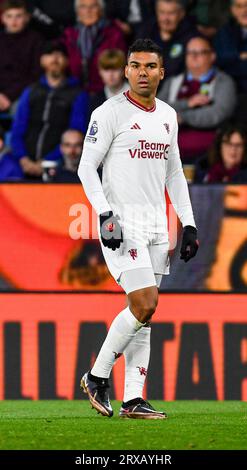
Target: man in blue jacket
(231, 45)
(46, 109)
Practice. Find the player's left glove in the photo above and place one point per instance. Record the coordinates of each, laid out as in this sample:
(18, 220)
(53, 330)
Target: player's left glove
(190, 243)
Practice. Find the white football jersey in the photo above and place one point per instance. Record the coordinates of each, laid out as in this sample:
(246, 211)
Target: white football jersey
(139, 151)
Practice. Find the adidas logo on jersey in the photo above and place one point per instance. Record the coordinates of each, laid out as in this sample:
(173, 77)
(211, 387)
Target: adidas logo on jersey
(135, 126)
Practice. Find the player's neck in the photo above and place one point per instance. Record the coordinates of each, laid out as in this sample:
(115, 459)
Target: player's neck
(147, 102)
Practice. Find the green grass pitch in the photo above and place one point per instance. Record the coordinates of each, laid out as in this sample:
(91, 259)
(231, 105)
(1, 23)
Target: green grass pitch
(74, 425)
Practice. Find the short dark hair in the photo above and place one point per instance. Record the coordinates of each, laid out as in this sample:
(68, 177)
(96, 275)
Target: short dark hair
(54, 46)
(14, 4)
(145, 45)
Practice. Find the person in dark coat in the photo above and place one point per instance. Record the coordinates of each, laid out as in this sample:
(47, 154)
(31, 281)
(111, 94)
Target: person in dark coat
(130, 14)
(171, 30)
(88, 39)
(20, 53)
(231, 45)
(46, 109)
(50, 17)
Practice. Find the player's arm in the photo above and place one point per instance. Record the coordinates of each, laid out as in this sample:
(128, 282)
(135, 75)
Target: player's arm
(177, 188)
(98, 140)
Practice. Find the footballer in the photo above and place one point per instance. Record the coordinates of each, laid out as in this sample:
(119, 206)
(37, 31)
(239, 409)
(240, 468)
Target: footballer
(134, 136)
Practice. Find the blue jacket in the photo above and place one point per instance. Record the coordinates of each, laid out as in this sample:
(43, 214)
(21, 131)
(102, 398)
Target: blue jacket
(10, 169)
(229, 43)
(43, 114)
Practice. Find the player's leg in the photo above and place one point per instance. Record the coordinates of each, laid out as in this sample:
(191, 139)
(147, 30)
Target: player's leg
(137, 355)
(126, 324)
(95, 383)
(121, 332)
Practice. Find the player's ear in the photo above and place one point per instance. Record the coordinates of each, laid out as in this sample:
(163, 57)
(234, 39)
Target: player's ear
(162, 73)
(126, 70)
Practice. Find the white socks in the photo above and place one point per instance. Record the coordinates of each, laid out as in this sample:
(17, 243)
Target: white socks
(121, 332)
(136, 356)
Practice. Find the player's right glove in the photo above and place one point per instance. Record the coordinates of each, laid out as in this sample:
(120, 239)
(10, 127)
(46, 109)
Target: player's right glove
(110, 230)
(190, 243)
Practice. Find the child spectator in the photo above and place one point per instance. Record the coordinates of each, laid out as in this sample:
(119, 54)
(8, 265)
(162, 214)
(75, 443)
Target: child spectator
(20, 53)
(111, 69)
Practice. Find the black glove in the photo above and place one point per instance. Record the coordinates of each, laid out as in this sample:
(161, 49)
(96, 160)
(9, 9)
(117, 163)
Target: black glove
(190, 243)
(110, 230)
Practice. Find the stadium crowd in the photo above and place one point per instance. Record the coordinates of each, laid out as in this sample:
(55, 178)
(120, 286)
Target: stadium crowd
(61, 59)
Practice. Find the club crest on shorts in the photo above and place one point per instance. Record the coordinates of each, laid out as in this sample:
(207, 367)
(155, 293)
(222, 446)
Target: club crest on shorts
(133, 253)
(142, 370)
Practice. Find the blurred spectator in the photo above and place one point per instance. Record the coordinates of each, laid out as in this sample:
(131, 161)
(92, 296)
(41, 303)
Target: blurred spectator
(71, 149)
(231, 44)
(85, 42)
(46, 110)
(171, 29)
(9, 167)
(111, 69)
(20, 53)
(210, 14)
(227, 157)
(203, 96)
(129, 14)
(51, 16)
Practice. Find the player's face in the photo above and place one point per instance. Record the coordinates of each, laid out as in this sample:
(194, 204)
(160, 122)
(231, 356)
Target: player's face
(144, 72)
(239, 11)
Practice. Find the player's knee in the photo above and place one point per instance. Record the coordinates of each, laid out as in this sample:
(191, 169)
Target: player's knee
(146, 308)
(147, 313)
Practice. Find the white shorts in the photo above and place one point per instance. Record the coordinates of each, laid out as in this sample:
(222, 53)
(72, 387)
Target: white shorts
(139, 278)
(149, 250)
